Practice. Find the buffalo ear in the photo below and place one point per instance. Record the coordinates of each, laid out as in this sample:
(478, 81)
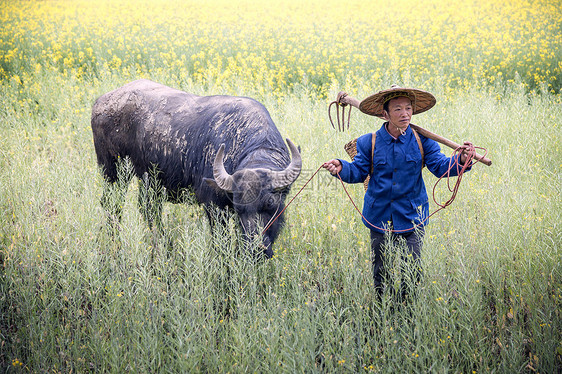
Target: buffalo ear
(214, 186)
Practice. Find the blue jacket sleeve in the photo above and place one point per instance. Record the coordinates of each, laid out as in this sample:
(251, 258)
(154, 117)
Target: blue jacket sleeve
(437, 163)
(358, 170)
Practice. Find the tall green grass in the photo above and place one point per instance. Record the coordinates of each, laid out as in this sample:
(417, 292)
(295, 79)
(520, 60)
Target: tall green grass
(76, 297)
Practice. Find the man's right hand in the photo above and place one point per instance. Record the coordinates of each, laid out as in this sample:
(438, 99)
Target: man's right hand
(333, 166)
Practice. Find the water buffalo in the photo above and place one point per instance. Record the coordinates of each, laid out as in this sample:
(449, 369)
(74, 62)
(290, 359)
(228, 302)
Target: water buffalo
(225, 150)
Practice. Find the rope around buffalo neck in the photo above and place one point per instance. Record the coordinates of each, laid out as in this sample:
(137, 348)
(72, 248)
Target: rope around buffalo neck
(470, 150)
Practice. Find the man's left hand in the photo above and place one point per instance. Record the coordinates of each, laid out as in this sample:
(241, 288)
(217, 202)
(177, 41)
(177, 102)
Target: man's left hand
(464, 155)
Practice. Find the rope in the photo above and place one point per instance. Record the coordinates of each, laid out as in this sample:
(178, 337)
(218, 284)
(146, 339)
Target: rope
(468, 148)
(289, 203)
(470, 160)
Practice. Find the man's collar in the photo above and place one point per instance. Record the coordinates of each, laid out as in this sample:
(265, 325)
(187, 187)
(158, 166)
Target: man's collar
(388, 138)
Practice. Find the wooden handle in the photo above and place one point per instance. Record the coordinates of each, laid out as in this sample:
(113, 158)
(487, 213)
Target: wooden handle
(348, 100)
(448, 143)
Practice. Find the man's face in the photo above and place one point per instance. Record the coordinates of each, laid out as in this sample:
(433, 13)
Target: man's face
(399, 112)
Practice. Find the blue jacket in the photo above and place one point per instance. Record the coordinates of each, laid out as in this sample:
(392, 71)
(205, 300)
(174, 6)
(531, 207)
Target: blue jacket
(396, 193)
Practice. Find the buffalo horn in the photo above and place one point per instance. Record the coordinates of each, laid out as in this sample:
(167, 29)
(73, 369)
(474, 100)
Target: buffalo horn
(222, 178)
(285, 178)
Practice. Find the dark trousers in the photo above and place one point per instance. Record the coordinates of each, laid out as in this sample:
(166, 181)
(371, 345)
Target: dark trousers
(384, 251)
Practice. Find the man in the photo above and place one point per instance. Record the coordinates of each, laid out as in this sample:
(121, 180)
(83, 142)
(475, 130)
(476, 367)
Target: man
(396, 201)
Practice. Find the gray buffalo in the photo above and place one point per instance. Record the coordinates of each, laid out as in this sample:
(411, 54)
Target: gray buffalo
(226, 151)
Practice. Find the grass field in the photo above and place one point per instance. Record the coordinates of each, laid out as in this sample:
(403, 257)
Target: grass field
(75, 299)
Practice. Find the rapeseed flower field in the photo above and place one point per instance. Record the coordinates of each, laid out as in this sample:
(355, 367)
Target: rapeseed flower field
(276, 46)
(77, 297)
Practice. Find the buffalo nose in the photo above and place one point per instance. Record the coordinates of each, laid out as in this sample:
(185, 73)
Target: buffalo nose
(266, 246)
(268, 252)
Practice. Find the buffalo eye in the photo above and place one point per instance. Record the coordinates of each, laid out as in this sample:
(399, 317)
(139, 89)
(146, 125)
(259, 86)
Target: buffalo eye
(271, 202)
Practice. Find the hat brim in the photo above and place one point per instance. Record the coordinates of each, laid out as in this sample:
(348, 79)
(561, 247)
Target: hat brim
(374, 104)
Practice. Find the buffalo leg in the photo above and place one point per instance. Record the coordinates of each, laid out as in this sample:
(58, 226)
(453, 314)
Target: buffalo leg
(117, 178)
(150, 200)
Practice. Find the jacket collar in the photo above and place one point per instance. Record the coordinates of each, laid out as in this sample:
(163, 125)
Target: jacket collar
(388, 138)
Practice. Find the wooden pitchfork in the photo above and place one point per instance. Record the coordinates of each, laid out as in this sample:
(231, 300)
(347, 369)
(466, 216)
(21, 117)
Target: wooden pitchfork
(343, 99)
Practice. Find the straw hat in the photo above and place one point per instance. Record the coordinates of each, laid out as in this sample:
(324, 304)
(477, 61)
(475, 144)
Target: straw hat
(421, 100)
